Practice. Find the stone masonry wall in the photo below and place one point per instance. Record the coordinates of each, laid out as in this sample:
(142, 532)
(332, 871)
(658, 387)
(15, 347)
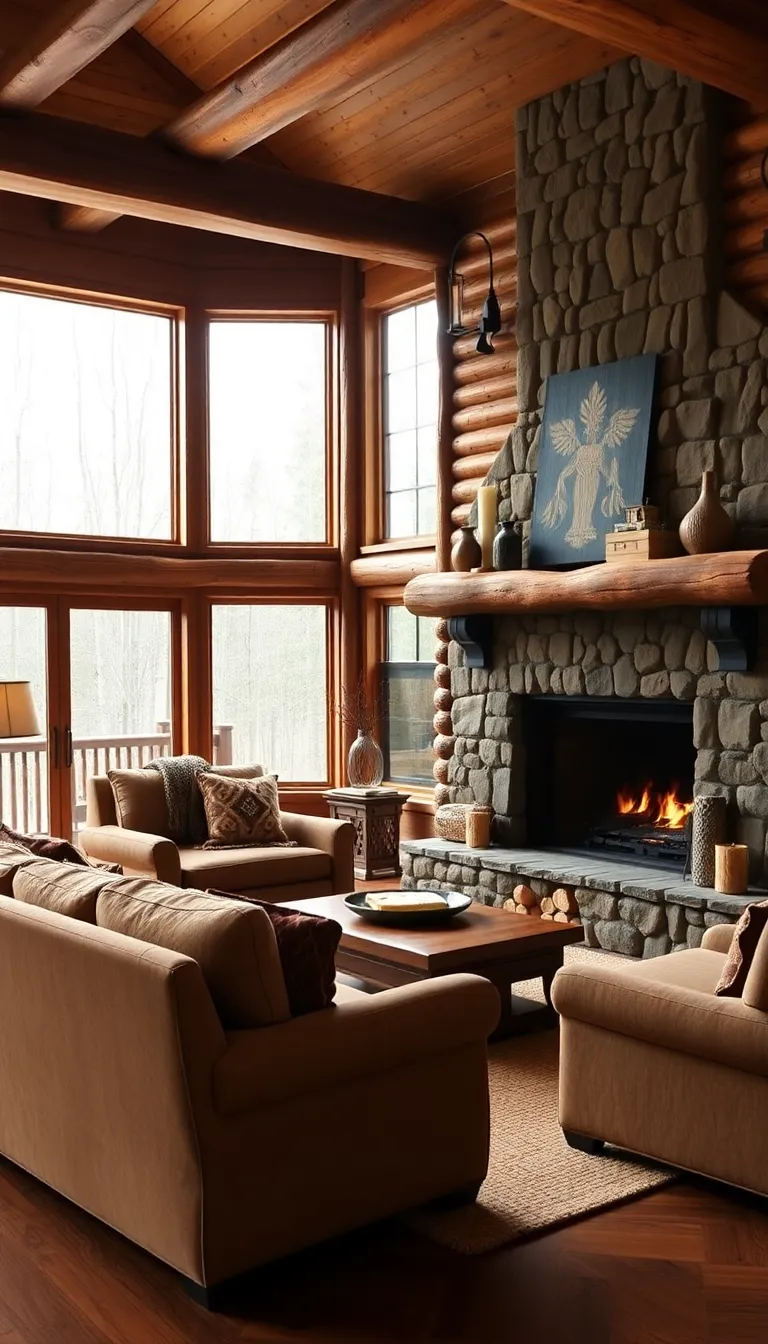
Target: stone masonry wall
(618, 241)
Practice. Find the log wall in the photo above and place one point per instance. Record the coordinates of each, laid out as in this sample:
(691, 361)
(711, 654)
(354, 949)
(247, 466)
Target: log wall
(485, 386)
(745, 207)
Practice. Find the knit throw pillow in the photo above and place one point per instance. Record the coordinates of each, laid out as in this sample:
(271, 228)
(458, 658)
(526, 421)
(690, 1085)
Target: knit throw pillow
(241, 811)
(307, 948)
(743, 947)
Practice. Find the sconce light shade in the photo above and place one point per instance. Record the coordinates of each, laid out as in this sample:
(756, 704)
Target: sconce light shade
(490, 317)
(18, 716)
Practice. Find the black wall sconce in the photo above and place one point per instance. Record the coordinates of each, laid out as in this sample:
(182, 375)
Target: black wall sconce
(764, 175)
(490, 317)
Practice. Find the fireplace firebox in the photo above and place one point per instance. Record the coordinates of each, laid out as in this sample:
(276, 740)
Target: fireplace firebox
(610, 775)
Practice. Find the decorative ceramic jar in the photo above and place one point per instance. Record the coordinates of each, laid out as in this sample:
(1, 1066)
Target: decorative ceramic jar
(478, 821)
(507, 547)
(466, 554)
(707, 527)
(365, 763)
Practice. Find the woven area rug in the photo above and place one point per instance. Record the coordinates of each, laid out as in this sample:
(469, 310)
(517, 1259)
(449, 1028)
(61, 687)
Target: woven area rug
(535, 1181)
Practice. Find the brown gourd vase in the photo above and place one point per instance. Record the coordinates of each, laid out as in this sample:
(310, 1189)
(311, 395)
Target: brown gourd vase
(707, 528)
(466, 554)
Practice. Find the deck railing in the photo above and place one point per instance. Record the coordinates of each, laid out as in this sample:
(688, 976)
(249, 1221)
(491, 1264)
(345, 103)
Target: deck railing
(24, 769)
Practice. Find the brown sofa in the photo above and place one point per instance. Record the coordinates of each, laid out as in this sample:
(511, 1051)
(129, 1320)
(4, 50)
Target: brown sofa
(653, 1061)
(321, 863)
(216, 1148)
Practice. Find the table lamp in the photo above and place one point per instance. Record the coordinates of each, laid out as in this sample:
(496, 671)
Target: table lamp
(18, 716)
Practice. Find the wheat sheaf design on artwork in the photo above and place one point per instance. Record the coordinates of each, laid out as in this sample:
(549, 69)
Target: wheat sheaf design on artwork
(590, 460)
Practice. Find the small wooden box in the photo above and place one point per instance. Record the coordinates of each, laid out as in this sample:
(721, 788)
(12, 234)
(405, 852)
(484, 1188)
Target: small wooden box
(645, 544)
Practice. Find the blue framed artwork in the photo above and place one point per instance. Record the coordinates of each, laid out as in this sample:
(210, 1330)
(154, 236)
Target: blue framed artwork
(594, 446)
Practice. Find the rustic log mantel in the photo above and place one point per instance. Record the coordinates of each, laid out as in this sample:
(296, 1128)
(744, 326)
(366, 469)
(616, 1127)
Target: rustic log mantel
(731, 578)
(727, 587)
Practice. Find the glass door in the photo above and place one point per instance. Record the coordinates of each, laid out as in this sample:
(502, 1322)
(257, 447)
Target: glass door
(120, 692)
(25, 785)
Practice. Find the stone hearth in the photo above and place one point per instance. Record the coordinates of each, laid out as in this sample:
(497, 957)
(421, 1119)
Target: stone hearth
(640, 911)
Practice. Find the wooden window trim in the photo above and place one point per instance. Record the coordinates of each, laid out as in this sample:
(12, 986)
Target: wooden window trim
(375, 600)
(240, 599)
(175, 314)
(329, 318)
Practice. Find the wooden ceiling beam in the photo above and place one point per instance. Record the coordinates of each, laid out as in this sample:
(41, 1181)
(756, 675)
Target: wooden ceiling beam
(347, 45)
(73, 35)
(673, 33)
(86, 166)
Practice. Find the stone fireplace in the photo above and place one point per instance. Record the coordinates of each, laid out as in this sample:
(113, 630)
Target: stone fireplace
(619, 254)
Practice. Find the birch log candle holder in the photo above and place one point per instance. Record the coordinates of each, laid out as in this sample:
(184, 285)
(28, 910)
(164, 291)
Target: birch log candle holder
(486, 524)
(731, 869)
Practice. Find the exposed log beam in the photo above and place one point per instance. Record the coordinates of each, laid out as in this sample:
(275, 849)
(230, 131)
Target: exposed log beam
(107, 170)
(347, 45)
(84, 218)
(672, 32)
(79, 219)
(72, 36)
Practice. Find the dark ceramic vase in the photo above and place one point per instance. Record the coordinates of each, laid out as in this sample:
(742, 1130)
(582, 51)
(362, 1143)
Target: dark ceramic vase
(507, 547)
(466, 554)
(707, 528)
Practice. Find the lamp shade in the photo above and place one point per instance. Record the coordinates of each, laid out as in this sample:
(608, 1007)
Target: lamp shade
(18, 716)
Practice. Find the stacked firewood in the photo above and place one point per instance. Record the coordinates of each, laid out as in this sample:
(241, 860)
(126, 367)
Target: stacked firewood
(561, 907)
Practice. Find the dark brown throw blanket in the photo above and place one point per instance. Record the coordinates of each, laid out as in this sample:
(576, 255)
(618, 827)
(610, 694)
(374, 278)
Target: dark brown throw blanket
(50, 847)
(186, 813)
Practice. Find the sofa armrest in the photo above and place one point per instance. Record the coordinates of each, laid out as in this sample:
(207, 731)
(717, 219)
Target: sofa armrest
(672, 1016)
(373, 1034)
(718, 938)
(336, 838)
(137, 852)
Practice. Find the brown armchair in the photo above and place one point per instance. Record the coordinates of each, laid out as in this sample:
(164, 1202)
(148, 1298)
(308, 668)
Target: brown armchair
(320, 864)
(652, 1060)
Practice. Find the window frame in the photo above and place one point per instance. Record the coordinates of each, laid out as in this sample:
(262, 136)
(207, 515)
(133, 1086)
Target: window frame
(175, 313)
(286, 549)
(409, 541)
(330, 604)
(374, 641)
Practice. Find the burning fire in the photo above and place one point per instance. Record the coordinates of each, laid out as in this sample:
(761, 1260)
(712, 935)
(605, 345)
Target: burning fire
(657, 809)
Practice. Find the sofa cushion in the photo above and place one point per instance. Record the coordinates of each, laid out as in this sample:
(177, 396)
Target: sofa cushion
(746, 937)
(246, 868)
(233, 943)
(307, 945)
(65, 888)
(242, 811)
(755, 993)
(140, 800)
(12, 858)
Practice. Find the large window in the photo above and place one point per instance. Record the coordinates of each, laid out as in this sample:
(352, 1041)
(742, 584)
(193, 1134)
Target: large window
(268, 430)
(270, 684)
(410, 420)
(86, 418)
(408, 696)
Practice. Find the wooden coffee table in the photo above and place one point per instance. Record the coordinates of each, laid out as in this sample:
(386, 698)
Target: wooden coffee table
(503, 947)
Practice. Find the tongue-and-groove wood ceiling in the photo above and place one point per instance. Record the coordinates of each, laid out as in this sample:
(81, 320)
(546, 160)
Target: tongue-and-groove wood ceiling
(407, 98)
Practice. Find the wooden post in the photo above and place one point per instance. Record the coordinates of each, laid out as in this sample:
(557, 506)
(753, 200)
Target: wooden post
(349, 663)
(444, 425)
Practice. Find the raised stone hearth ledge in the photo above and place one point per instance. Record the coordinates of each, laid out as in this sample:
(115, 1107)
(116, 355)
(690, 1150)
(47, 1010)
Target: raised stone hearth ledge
(638, 910)
(731, 578)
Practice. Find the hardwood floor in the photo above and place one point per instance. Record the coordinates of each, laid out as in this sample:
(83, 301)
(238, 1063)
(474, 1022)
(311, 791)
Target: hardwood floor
(686, 1265)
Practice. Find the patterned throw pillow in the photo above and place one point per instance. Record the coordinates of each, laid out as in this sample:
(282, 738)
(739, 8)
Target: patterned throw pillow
(241, 811)
(307, 946)
(743, 947)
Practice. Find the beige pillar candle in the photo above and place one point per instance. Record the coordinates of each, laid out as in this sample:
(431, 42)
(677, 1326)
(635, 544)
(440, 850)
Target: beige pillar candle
(731, 869)
(486, 523)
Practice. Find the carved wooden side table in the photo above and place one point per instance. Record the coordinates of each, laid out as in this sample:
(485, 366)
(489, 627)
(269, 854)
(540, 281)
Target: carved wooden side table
(376, 819)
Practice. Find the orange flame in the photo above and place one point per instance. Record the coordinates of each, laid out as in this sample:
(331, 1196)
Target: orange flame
(658, 809)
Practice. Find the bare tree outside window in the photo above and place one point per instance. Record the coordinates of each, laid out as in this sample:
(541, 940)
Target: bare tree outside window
(269, 681)
(268, 429)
